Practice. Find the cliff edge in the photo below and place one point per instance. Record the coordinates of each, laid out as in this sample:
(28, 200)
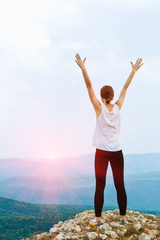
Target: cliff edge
(140, 227)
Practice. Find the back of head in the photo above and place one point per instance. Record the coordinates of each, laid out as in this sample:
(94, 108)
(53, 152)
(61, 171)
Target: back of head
(107, 92)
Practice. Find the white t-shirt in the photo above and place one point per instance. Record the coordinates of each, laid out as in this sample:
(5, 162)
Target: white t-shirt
(107, 131)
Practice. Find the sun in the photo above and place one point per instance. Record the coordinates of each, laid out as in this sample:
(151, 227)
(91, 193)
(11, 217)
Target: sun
(52, 156)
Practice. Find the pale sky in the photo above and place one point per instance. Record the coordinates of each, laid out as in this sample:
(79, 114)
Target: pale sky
(45, 108)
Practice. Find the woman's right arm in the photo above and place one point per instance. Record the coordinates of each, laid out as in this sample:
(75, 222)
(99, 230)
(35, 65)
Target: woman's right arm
(135, 68)
(95, 102)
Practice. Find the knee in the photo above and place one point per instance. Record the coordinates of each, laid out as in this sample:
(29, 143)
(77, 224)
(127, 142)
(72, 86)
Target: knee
(120, 187)
(100, 184)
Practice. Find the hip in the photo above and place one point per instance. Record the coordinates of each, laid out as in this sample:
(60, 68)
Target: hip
(110, 155)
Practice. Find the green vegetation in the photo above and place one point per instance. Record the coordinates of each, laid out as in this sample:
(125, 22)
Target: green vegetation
(21, 220)
(19, 227)
(10, 207)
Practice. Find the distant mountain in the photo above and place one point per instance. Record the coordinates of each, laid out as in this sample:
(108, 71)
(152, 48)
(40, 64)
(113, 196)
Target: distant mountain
(75, 166)
(72, 180)
(82, 165)
(142, 163)
(142, 190)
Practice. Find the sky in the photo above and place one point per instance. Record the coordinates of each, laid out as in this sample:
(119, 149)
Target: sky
(44, 104)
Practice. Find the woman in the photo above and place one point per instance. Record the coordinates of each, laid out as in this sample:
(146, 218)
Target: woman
(107, 141)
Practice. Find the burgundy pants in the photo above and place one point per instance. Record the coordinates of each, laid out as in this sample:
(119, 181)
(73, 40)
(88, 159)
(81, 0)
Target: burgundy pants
(116, 159)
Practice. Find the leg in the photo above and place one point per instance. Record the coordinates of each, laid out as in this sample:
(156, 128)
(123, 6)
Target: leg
(101, 165)
(117, 165)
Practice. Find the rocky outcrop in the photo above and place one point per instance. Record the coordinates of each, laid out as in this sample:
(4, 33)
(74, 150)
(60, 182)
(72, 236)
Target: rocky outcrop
(141, 226)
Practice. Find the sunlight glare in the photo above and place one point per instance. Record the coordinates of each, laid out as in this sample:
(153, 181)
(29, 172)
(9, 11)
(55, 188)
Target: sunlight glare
(52, 156)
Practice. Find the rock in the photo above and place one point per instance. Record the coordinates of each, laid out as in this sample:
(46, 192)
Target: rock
(133, 237)
(71, 221)
(153, 232)
(116, 211)
(114, 224)
(66, 229)
(54, 230)
(143, 221)
(40, 236)
(152, 216)
(60, 223)
(111, 234)
(109, 215)
(150, 221)
(60, 236)
(121, 232)
(92, 235)
(137, 226)
(104, 227)
(103, 236)
(77, 229)
(154, 226)
(136, 212)
(145, 236)
(88, 228)
(70, 235)
(146, 230)
(141, 226)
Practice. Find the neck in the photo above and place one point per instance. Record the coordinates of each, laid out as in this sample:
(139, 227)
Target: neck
(108, 103)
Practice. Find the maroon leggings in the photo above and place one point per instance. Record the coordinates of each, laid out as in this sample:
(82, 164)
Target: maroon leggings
(116, 159)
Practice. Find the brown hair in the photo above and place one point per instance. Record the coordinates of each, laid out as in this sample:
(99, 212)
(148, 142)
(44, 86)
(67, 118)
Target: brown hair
(107, 92)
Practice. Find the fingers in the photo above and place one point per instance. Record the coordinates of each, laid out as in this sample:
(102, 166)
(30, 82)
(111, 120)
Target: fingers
(84, 60)
(141, 64)
(139, 60)
(131, 64)
(78, 57)
(137, 65)
(77, 63)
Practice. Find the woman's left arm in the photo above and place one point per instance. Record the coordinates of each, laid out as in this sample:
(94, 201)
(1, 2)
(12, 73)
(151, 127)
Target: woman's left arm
(135, 68)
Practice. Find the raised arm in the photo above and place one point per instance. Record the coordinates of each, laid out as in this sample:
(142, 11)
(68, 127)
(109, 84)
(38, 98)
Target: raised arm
(96, 103)
(122, 95)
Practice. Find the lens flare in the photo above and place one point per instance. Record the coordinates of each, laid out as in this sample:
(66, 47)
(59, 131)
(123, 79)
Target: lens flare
(52, 156)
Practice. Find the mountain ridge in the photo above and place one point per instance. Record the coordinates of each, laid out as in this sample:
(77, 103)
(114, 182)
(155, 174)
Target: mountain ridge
(80, 190)
(81, 165)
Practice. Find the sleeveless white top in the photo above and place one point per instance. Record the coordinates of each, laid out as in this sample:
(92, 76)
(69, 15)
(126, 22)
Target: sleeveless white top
(107, 131)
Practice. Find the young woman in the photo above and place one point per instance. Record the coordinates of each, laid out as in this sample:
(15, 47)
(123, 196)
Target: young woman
(107, 142)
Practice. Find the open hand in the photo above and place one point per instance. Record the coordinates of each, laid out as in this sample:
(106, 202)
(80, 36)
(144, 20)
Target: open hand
(137, 65)
(79, 61)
